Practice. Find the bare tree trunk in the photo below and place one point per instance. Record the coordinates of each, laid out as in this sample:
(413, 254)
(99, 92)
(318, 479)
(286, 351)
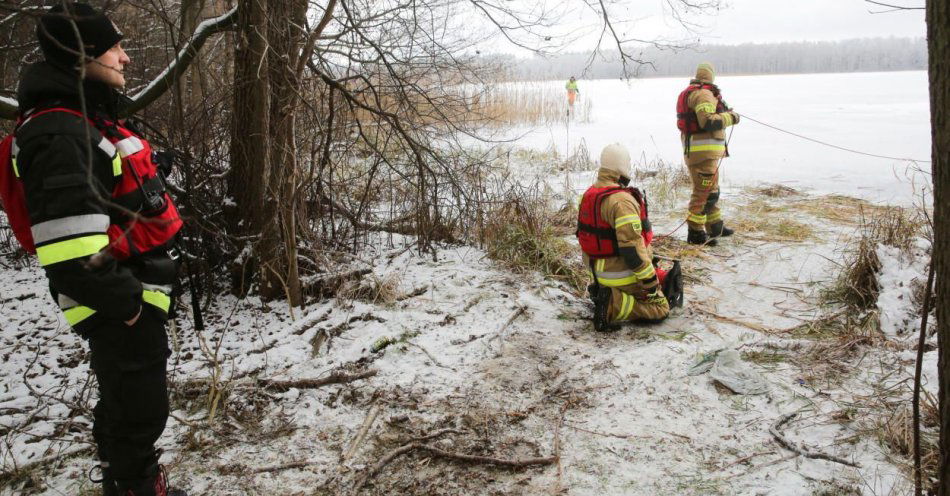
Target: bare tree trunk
(938, 40)
(285, 38)
(250, 139)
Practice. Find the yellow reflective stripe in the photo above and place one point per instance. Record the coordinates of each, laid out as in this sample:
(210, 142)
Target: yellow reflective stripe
(71, 248)
(706, 148)
(626, 306)
(646, 273)
(157, 298)
(117, 165)
(616, 283)
(713, 217)
(600, 264)
(697, 218)
(709, 108)
(628, 219)
(16, 172)
(78, 314)
(727, 119)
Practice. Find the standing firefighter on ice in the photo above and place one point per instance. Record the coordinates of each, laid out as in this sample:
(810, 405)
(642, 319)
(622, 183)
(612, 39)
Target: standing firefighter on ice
(84, 192)
(702, 117)
(613, 230)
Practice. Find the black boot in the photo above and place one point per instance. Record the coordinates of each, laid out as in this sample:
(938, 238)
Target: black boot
(155, 483)
(697, 237)
(718, 229)
(673, 286)
(601, 302)
(592, 292)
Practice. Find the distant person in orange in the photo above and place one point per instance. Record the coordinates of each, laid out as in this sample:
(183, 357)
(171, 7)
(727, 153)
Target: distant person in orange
(572, 91)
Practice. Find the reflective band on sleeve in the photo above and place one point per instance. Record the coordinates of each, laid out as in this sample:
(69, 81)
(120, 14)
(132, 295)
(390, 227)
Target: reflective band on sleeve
(626, 306)
(159, 299)
(16, 172)
(709, 108)
(129, 145)
(107, 146)
(707, 148)
(78, 314)
(646, 273)
(116, 165)
(71, 248)
(696, 218)
(70, 226)
(727, 119)
(629, 219)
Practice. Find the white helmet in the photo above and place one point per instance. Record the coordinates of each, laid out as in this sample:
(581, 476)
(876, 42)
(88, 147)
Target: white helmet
(616, 158)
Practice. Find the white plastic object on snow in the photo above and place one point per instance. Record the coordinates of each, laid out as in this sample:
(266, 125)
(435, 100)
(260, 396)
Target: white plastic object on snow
(737, 375)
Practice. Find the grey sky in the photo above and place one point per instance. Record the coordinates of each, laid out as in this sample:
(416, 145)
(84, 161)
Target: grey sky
(793, 20)
(738, 21)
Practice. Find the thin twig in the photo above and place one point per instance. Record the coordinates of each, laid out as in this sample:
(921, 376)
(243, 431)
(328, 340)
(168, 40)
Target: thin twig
(434, 360)
(918, 484)
(499, 335)
(334, 378)
(460, 457)
(776, 432)
(364, 430)
(745, 459)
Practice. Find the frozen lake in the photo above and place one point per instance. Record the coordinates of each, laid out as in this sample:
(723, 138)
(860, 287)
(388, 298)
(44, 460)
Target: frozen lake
(879, 113)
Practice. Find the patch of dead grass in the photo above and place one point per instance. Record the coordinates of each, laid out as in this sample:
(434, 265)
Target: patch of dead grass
(522, 236)
(857, 285)
(839, 208)
(386, 289)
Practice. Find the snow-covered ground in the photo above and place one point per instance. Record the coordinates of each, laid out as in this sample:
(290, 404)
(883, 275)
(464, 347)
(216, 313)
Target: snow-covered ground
(619, 408)
(509, 361)
(878, 113)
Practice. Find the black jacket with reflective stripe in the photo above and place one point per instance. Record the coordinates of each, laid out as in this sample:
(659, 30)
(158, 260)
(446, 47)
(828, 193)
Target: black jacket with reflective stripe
(68, 180)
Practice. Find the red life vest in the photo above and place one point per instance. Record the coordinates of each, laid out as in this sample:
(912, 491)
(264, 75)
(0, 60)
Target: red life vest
(686, 120)
(597, 237)
(138, 188)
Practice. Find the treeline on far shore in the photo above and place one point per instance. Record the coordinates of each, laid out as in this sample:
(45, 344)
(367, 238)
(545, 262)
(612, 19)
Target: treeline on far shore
(856, 55)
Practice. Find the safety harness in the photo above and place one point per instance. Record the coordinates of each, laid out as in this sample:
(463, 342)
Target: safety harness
(142, 216)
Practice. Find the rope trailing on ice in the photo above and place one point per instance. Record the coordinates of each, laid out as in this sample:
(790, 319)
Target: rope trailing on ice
(813, 140)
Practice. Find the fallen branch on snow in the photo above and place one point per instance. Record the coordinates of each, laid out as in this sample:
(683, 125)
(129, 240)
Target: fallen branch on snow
(742, 323)
(46, 460)
(776, 432)
(499, 335)
(334, 378)
(364, 430)
(460, 457)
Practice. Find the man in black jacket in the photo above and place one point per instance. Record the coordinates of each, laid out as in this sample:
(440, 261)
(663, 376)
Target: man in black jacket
(107, 245)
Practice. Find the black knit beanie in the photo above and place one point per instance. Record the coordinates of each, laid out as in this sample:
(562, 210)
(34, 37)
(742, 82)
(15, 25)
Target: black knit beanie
(58, 39)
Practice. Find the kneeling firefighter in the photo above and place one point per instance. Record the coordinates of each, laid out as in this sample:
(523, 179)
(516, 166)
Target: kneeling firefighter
(84, 193)
(614, 232)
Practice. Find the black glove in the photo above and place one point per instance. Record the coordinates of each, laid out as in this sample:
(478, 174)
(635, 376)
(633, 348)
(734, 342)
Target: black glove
(165, 161)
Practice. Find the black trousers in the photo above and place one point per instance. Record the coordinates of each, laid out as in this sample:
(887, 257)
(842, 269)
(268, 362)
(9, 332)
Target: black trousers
(130, 364)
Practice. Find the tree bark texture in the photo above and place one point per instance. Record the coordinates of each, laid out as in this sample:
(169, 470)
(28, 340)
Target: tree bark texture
(286, 39)
(250, 137)
(264, 165)
(938, 41)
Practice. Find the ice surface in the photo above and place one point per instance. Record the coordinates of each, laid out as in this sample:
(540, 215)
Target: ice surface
(881, 113)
